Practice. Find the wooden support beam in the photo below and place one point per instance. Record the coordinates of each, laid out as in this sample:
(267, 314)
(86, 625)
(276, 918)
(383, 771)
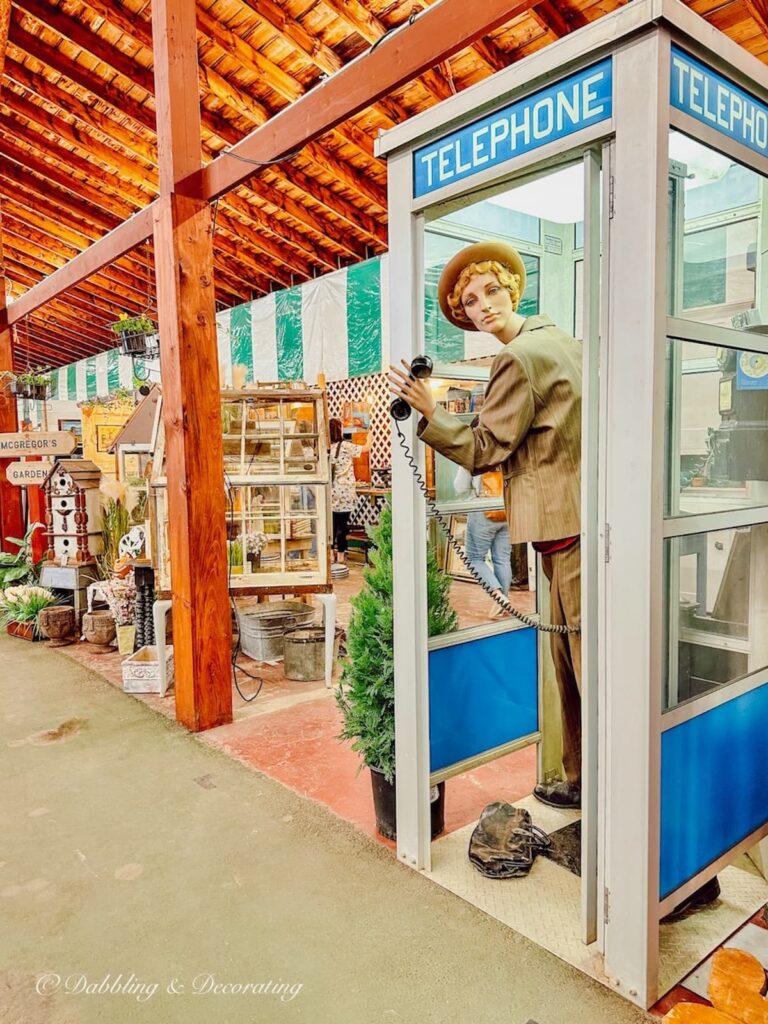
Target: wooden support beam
(191, 397)
(440, 31)
(11, 518)
(5, 20)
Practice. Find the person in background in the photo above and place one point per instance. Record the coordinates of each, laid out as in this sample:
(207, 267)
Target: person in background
(487, 531)
(343, 492)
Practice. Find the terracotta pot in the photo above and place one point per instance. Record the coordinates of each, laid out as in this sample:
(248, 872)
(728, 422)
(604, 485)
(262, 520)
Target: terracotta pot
(99, 628)
(56, 623)
(23, 630)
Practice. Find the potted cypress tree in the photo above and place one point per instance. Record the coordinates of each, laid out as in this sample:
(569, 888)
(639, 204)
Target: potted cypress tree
(366, 693)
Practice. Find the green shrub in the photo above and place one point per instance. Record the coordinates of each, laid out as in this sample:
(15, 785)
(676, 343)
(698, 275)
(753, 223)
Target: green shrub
(366, 694)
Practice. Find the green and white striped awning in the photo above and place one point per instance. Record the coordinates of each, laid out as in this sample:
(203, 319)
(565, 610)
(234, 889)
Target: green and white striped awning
(337, 324)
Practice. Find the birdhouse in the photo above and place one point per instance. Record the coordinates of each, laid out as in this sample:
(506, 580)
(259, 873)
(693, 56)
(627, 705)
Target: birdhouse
(73, 512)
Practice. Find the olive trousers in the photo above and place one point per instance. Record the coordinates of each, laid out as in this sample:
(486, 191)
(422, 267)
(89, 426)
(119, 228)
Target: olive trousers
(563, 570)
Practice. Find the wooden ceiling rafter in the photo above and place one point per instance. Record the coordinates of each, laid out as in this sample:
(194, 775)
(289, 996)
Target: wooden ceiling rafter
(79, 141)
(237, 99)
(221, 129)
(51, 341)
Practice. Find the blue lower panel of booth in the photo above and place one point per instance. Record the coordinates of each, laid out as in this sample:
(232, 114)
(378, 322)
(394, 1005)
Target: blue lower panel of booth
(714, 785)
(482, 694)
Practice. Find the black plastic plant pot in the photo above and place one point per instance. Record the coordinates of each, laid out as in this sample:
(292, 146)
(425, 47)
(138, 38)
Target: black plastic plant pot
(134, 343)
(385, 807)
(31, 392)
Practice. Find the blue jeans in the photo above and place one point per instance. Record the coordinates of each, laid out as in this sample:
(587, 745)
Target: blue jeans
(484, 536)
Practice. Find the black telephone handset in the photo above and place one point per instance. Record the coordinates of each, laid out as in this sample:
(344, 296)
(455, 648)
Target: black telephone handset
(421, 368)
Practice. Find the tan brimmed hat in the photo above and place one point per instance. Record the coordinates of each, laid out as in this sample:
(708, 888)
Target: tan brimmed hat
(477, 253)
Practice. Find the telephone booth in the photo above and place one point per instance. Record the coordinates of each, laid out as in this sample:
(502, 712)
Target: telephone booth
(628, 164)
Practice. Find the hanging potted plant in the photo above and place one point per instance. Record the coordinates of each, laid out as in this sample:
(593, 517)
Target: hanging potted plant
(134, 333)
(33, 385)
(366, 693)
(19, 608)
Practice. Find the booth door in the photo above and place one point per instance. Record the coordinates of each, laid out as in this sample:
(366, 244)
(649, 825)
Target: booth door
(714, 779)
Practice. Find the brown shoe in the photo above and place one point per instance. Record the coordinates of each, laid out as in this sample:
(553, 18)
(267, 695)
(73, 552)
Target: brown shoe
(703, 897)
(559, 794)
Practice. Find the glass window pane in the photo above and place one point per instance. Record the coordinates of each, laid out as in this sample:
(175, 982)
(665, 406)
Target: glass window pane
(717, 429)
(717, 600)
(715, 205)
(554, 203)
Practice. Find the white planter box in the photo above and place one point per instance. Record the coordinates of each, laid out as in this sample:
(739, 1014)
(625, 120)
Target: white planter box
(141, 672)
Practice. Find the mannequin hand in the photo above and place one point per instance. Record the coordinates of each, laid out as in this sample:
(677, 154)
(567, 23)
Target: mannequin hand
(415, 392)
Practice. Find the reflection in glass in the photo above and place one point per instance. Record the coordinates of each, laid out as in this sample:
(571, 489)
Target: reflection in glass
(717, 429)
(715, 206)
(543, 219)
(717, 603)
(487, 546)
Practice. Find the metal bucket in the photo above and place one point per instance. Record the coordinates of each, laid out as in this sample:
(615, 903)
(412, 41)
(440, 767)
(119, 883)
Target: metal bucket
(305, 653)
(263, 627)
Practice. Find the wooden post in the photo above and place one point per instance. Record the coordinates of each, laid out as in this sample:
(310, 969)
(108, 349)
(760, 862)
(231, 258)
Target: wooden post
(11, 514)
(202, 635)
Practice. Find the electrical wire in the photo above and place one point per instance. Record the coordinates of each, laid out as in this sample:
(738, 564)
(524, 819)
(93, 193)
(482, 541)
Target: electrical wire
(528, 620)
(263, 163)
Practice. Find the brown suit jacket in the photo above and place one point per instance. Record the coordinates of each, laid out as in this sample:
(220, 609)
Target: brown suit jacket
(530, 426)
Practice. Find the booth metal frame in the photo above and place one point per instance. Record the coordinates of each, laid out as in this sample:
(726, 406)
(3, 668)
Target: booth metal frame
(626, 327)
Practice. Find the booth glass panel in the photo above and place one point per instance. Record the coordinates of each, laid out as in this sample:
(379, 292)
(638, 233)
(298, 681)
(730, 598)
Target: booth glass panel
(554, 205)
(717, 429)
(716, 607)
(444, 342)
(716, 207)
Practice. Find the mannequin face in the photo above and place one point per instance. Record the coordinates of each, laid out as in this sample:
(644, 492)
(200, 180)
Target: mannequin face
(487, 303)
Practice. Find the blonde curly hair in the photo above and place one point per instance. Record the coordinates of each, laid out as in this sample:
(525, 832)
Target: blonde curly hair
(506, 278)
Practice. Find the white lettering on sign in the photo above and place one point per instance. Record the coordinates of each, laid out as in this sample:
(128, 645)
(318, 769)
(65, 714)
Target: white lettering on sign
(715, 101)
(559, 110)
(29, 443)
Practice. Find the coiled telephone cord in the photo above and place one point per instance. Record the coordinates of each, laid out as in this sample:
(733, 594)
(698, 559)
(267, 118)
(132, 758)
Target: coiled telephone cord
(527, 620)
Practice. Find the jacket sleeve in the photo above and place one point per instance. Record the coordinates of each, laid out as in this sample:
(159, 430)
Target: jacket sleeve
(505, 419)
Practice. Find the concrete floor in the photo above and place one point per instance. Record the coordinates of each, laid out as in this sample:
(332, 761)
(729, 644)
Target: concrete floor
(134, 855)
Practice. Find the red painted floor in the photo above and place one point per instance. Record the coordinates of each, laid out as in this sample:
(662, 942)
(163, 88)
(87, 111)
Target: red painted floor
(298, 746)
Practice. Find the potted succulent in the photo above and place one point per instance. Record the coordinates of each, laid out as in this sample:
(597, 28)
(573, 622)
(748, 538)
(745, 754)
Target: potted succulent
(134, 332)
(19, 567)
(19, 608)
(366, 693)
(34, 385)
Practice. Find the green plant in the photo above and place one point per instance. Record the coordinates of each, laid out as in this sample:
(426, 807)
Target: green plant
(120, 396)
(366, 694)
(235, 553)
(135, 324)
(37, 378)
(115, 522)
(20, 567)
(21, 604)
